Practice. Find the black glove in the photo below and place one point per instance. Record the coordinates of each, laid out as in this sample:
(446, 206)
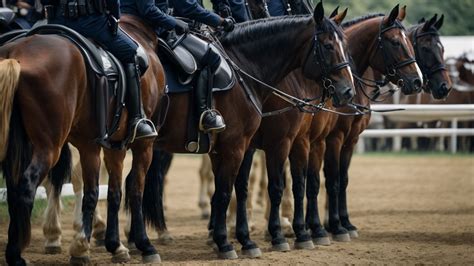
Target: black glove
(224, 10)
(181, 27)
(228, 24)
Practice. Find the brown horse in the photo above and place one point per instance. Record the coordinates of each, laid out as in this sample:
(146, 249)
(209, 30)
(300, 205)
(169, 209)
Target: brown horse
(49, 100)
(268, 50)
(343, 138)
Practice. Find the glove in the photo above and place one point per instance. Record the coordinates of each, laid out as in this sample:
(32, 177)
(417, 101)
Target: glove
(224, 10)
(227, 24)
(181, 27)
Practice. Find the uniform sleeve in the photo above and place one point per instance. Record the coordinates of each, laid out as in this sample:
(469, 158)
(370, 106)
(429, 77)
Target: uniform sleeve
(114, 7)
(191, 9)
(298, 7)
(153, 15)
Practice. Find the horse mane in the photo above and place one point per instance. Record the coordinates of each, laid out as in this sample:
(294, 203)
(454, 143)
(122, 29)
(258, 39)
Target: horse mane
(255, 30)
(360, 19)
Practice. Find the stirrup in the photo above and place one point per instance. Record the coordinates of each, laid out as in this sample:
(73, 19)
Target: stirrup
(212, 129)
(135, 128)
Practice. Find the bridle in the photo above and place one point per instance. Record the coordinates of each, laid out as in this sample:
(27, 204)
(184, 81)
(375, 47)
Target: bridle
(320, 62)
(391, 67)
(428, 71)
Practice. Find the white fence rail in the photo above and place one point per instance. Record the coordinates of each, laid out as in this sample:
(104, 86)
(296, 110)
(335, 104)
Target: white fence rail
(422, 113)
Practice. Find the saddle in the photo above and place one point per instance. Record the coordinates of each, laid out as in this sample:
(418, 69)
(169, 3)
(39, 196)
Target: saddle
(181, 59)
(105, 75)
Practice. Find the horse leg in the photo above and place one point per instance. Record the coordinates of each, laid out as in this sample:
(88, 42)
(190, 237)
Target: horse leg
(286, 204)
(99, 229)
(90, 164)
(253, 177)
(276, 185)
(249, 248)
(135, 184)
(51, 224)
(76, 180)
(346, 156)
(331, 171)
(299, 164)
(226, 164)
(313, 222)
(114, 163)
(262, 196)
(204, 173)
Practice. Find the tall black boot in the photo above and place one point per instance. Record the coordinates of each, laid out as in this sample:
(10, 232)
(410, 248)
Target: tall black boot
(210, 119)
(140, 126)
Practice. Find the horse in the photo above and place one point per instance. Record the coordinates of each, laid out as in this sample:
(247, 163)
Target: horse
(341, 141)
(34, 136)
(289, 43)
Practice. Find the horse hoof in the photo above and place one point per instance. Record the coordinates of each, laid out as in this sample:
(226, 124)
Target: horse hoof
(165, 239)
(322, 241)
(353, 234)
(155, 258)
(228, 255)
(304, 245)
(78, 261)
(252, 253)
(341, 237)
(99, 242)
(210, 242)
(283, 247)
(121, 257)
(53, 250)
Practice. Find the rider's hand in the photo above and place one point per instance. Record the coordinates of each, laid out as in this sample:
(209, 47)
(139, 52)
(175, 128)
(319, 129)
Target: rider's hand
(181, 27)
(227, 24)
(224, 10)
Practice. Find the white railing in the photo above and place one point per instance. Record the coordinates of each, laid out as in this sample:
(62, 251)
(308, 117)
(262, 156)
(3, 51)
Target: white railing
(422, 113)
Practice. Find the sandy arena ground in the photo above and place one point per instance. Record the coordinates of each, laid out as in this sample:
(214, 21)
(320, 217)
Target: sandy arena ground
(409, 210)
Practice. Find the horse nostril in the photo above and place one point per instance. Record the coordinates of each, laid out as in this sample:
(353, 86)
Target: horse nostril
(348, 94)
(417, 82)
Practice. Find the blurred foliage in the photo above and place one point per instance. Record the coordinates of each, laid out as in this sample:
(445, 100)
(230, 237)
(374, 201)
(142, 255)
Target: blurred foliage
(459, 14)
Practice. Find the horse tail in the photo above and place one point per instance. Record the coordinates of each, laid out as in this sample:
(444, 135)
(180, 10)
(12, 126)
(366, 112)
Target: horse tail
(152, 207)
(9, 78)
(15, 148)
(61, 172)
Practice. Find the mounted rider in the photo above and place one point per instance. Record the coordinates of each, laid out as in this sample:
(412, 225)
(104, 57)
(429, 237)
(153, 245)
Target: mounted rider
(288, 7)
(152, 12)
(97, 20)
(238, 9)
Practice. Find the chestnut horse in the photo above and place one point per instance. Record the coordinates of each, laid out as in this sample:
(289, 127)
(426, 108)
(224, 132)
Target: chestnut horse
(47, 102)
(268, 50)
(341, 141)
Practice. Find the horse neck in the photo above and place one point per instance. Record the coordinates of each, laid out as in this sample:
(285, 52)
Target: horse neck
(272, 55)
(361, 36)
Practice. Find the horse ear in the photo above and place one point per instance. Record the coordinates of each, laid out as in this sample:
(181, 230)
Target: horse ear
(334, 13)
(402, 13)
(340, 17)
(388, 21)
(319, 12)
(421, 20)
(430, 22)
(439, 23)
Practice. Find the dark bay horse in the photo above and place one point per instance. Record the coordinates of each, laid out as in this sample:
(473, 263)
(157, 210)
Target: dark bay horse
(48, 102)
(343, 138)
(268, 50)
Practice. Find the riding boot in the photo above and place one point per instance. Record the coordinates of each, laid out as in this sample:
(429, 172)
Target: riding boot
(210, 119)
(140, 126)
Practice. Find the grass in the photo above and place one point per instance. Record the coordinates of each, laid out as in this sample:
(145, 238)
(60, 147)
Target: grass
(38, 209)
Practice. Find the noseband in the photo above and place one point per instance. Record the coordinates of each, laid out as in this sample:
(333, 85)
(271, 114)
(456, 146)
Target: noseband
(391, 68)
(426, 70)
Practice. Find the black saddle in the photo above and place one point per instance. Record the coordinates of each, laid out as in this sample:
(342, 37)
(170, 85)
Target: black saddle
(105, 74)
(181, 63)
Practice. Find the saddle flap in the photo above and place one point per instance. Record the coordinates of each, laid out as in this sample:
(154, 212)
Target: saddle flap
(6, 15)
(178, 56)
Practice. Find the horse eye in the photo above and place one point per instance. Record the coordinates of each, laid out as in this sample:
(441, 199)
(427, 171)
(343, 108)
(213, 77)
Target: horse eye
(328, 46)
(396, 43)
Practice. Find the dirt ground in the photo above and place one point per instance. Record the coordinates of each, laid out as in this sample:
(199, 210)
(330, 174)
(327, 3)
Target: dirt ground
(409, 210)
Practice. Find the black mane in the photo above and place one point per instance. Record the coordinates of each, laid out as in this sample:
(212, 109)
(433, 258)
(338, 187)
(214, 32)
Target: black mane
(360, 19)
(255, 30)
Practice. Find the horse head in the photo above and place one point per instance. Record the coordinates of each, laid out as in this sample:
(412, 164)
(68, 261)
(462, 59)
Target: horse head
(430, 56)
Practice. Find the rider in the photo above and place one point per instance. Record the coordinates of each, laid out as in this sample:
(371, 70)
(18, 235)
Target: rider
(210, 119)
(97, 20)
(288, 7)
